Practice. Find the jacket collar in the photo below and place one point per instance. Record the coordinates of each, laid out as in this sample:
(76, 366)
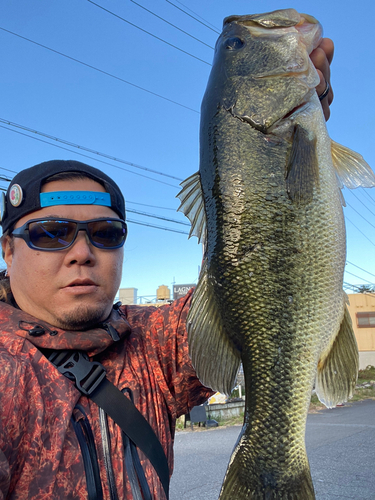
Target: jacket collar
(46, 336)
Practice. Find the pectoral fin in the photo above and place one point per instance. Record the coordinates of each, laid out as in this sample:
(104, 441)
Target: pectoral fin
(192, 206)
(302, 172)
(351, 169)
(213, 355)
(338, 368)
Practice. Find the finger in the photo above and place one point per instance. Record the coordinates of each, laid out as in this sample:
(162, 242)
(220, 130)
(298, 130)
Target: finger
(326, 109)
(320, 61)
(320, 88)
(327, 45)
(321, 57)
(326, 101)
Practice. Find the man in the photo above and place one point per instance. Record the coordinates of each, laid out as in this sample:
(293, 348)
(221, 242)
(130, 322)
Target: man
(63, 235)
(67, 277)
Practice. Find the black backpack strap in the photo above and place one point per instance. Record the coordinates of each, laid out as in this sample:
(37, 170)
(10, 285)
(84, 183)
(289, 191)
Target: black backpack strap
(90, 379)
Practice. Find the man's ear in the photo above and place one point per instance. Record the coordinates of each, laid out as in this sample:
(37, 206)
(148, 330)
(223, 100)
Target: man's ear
(7, 245)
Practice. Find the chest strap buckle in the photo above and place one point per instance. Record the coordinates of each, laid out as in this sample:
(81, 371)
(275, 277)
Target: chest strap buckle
(76, 366)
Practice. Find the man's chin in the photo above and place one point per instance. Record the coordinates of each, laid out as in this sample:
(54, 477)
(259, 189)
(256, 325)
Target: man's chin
(82, 318)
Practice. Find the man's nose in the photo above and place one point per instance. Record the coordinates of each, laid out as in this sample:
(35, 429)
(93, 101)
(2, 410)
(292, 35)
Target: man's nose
(81, 251)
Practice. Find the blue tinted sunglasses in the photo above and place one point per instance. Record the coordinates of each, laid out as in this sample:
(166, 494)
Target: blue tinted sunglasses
(57, 234)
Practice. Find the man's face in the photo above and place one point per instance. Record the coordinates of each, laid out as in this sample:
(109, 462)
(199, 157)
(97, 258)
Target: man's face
(71, 289)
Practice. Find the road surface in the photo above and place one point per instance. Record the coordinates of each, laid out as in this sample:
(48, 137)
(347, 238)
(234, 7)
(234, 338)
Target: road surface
(340, 446)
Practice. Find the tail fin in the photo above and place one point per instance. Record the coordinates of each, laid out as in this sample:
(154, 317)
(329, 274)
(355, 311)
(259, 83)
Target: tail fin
(247, 481)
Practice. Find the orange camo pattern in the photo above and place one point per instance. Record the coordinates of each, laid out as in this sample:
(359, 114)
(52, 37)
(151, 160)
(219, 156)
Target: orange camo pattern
(39, 453)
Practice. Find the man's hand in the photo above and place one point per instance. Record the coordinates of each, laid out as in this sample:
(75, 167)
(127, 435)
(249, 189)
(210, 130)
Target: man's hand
(322, 57)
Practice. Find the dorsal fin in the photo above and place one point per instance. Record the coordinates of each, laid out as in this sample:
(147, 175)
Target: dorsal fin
(192, 205)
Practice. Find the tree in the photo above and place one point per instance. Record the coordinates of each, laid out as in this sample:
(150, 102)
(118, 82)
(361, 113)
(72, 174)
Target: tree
(365, 288)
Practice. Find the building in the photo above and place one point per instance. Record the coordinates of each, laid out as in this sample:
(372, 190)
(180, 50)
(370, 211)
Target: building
(362, 312)
(128, 296)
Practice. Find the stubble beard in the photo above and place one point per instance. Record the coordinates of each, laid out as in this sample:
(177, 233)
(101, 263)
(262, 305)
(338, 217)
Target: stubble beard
(83, 317)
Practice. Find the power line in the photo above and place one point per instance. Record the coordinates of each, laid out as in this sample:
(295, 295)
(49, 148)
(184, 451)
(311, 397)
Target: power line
(349, 285)
(364, 218)
(359, 277)
(203, 19)
(158, 217)
(174, 26)
(152, 206)
(151, 34)
(360, 268)
(363, 234)
(100, 70)
(187, 13)
(87, 156)
(89, 150)
(360, 201)
(156, 227)
(365, 190)
(8, 170)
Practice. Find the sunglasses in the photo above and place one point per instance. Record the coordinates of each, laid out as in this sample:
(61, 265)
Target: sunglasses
(58, 234)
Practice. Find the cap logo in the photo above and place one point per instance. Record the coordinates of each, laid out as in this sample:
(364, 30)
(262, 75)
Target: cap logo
(16, 195)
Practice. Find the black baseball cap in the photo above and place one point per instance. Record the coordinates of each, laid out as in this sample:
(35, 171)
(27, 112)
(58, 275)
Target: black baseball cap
(23, 194)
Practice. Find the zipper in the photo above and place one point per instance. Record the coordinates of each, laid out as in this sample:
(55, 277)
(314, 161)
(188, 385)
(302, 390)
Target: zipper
(106, 443)
(86, 442)
(133, 468)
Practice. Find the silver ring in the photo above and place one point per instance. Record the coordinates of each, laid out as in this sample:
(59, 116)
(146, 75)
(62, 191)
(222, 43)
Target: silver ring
(325, 93)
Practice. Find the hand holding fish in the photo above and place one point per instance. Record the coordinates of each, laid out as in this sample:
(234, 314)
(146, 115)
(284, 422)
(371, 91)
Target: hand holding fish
(322, 57)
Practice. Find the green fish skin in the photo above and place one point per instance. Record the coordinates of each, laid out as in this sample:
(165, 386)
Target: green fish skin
(267, 205)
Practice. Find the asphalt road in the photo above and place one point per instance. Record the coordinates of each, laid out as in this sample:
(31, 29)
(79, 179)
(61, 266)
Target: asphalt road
(340, 446)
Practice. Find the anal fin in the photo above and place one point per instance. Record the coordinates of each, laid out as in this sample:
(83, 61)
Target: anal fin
(338, 369)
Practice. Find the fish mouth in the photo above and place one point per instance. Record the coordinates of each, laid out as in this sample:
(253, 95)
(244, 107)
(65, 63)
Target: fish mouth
(276, 19)
(280, 21)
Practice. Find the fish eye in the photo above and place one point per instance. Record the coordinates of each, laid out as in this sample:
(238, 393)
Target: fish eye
(234, 43)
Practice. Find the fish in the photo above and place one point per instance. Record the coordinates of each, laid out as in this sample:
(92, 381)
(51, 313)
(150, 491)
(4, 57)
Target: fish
(267, 205)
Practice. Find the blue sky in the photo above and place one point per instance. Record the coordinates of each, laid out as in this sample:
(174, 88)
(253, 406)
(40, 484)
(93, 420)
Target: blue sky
(46, 92)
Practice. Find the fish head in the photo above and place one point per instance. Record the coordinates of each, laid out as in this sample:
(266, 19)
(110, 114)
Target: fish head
(262, 70)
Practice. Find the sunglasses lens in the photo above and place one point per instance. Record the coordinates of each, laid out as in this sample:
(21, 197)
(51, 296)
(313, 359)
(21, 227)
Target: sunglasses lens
(55, 234)
(50, 234)
(107, 233)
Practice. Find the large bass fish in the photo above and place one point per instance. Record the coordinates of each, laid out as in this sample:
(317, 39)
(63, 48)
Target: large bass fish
(267, 203)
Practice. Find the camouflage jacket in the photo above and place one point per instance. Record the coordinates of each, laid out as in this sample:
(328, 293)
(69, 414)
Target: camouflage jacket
(40, 457)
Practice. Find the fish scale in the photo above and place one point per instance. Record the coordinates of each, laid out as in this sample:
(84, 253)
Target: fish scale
(267, 205)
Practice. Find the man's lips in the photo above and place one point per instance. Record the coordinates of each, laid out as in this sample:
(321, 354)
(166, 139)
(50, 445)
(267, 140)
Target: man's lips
(81, 286)
(82, 282)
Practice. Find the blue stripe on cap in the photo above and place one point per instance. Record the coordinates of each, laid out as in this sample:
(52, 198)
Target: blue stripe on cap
(75, 198)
